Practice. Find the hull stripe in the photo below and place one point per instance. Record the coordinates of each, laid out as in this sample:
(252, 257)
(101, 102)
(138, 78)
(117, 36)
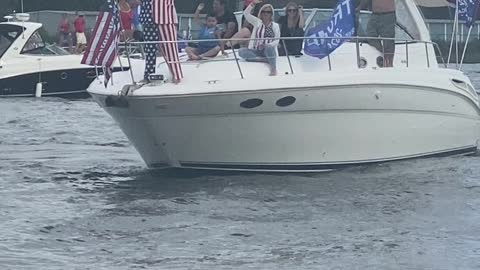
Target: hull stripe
(311, 167)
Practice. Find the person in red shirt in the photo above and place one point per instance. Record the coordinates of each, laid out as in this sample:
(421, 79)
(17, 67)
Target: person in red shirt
(126, 17)
(79, 25)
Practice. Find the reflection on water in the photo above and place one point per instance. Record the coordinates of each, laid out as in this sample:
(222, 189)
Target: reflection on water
(75, 195)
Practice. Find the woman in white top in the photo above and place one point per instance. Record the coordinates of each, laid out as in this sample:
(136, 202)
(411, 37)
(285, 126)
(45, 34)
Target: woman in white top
(266, 29)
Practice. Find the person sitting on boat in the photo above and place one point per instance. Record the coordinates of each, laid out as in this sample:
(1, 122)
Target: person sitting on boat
(209, 31)
(382, 24)
(265, 37)
(242, 37)
(291, 25)
(226, 20)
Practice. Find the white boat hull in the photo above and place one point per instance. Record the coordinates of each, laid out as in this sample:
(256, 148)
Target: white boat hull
(325, 128)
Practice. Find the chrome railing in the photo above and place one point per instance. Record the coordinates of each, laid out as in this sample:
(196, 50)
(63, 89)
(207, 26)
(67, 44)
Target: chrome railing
(358, 40)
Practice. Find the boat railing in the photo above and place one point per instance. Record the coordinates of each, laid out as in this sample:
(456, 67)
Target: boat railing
(134, 46)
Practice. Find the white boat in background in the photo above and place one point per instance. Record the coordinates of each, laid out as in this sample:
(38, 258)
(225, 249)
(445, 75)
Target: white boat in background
(28, 66)
(317, 115)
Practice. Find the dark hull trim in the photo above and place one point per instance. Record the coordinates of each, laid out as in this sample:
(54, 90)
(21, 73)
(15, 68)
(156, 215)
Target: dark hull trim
(71, 83)
(64, 94)
(308, 167)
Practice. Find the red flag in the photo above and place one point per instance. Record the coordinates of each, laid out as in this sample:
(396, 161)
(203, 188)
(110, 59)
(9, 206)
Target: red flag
(102, 47)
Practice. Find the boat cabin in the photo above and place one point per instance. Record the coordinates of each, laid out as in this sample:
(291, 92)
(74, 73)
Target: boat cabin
(24, 38)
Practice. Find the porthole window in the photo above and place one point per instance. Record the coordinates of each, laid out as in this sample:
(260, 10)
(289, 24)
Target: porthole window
(457, 81)
(63, 76)
(251, 103)
(380, 61)
(362, 63)
(286, 101)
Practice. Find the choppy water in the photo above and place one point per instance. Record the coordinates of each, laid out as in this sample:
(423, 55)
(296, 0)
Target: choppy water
(75, 195)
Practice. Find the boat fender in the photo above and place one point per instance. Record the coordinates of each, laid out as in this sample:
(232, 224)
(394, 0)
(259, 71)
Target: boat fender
(116, 101)
(39, 90)
(128, 89)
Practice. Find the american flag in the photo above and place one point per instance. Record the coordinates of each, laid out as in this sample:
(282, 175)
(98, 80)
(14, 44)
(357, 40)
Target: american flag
(102, 47)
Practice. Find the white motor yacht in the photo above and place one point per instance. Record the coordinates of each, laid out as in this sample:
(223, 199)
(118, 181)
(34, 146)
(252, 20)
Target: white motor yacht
(26, 62)
(316, 115)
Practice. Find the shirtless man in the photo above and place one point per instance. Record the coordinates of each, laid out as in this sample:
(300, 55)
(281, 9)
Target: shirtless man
(382, 24)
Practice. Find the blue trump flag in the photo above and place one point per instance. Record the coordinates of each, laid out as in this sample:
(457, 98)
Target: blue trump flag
(467, 11)
(326, 38)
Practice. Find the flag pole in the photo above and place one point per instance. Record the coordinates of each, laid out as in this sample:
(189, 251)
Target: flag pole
(453, 33)
(465, 47)
(23, 22)
(456, 35)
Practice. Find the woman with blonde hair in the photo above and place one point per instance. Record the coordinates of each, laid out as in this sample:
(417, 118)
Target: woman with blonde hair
(291, 25)
(264, 38)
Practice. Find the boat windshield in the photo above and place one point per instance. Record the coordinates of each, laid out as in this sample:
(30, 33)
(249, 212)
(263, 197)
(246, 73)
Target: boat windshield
(8, 34)
(36, 46)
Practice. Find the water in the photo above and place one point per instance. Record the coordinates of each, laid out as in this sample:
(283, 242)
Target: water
(75, 195)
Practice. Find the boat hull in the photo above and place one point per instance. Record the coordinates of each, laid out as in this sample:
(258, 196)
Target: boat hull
(308, 129)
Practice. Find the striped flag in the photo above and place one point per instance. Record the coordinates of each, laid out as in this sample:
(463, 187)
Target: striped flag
(164, 12)
(102, 47)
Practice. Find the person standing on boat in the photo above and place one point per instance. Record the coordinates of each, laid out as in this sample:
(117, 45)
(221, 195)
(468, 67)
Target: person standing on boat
(382, 24)
(79, 25)
(265, 29)
(158, 18)
(126, 18)
(137, 25)
(64, 31)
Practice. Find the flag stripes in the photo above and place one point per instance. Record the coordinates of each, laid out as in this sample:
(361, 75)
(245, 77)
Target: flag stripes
(102, 49)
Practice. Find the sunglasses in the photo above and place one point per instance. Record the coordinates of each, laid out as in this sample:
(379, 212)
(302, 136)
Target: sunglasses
(267, 12)
(292, 10)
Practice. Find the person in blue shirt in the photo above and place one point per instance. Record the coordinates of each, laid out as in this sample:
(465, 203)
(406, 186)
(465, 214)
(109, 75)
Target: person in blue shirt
(137, 25)
(210, 32)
